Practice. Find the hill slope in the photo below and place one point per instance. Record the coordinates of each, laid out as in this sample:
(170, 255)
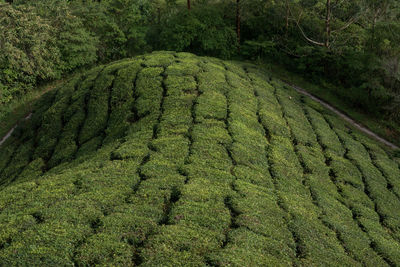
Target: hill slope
(172, 159)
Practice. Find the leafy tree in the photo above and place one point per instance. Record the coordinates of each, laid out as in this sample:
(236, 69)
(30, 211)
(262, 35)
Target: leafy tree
(29, 51)
(132, 19)
(97, 20)
(203, 31)
(77, 45)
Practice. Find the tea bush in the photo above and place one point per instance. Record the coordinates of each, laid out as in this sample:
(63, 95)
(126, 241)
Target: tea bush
(173, 159)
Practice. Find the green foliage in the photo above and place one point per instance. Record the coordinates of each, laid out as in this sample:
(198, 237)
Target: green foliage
(173, 159)
(359, 55)
(361, 58)
(76, 44)
(201, 31)
(257, 49)
(44, 39)
(29, 51)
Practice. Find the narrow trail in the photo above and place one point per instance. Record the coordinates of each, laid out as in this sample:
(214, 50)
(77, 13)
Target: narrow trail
(50, 87)
(12, 130)
(343, 116)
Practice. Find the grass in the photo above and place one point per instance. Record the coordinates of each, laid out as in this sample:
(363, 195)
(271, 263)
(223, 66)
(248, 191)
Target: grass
(172, 159)
(389, 131)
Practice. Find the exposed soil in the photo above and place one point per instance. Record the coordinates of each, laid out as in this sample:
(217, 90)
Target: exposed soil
(12, 130)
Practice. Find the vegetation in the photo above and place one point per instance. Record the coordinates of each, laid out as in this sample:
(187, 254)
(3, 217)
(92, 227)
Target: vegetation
(387, 129)
(349, 48)
(172, 159)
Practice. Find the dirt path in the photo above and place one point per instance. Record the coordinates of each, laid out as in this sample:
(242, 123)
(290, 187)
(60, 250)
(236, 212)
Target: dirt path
(48, 87)
(12, 130)
(343, 116)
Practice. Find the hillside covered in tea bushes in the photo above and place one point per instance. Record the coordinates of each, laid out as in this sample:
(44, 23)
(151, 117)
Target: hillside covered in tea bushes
(170, 159)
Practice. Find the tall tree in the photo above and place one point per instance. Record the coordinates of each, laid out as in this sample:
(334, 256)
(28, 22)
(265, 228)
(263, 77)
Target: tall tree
(29, 51)
(328, 23)
(238, 18)
(326, 37)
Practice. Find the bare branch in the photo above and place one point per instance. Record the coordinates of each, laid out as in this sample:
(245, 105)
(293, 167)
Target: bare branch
(302, 32)
(350, 22)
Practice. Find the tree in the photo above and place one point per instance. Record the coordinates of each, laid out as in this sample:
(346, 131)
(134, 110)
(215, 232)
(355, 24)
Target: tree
(29, 51)
(201, 31)
(340, 24)
(328, 24)
(238, 16)
(78, 47)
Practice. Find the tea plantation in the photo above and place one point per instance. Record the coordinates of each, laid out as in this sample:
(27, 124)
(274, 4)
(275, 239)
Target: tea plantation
(170, 159)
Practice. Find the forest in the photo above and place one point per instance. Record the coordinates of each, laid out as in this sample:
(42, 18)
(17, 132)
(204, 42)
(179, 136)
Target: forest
(349, 47)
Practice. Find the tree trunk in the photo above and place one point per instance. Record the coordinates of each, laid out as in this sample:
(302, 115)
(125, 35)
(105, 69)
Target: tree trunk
(373, 32)
(188, 4)
(238, 23)
(287, 16)
(328, 23)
